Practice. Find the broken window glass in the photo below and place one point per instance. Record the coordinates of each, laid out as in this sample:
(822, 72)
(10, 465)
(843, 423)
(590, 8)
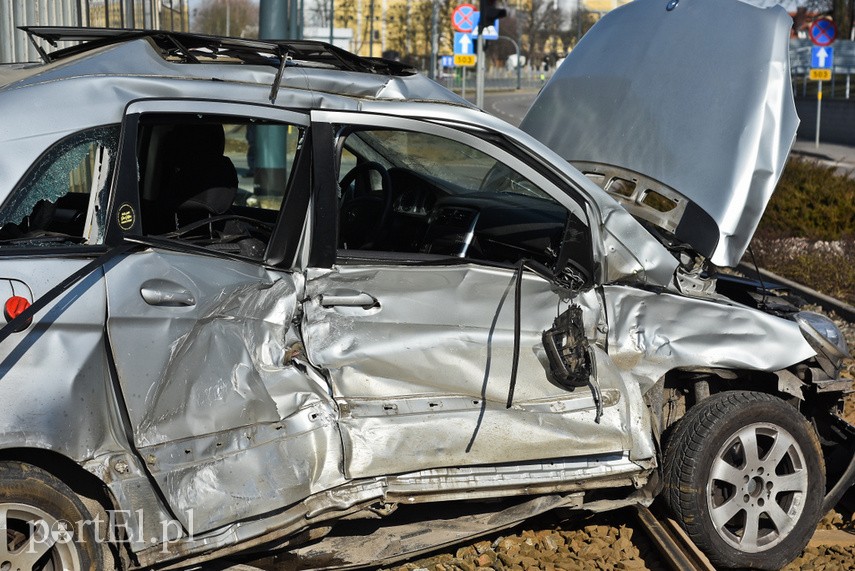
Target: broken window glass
(52, 202)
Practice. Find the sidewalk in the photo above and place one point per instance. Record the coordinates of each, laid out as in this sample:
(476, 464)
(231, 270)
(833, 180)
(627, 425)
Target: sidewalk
(841, 156)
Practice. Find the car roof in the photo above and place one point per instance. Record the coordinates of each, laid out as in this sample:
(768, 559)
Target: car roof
(155, 53)
(91, 84)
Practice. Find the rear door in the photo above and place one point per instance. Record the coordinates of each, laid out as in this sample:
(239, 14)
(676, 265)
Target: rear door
(53, 374)
(200, 327)
(416, 330)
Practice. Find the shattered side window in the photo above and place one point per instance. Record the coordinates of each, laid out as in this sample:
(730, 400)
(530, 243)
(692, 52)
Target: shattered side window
(62, 200)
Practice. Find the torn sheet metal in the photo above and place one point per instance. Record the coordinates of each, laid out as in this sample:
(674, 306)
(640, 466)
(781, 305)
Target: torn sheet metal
(433, 356)
(381, 546)
(651, 334)
(229, 426)
(621, 99)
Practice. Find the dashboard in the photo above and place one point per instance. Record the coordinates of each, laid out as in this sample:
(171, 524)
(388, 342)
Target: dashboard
(431, 216)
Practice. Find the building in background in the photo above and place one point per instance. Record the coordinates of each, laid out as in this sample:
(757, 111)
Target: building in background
(138, 14)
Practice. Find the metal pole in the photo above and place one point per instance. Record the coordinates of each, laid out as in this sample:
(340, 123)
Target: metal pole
(479, 73)
(818, 111)
(332, 21)
(130, 21)
(519, 43)
(293, 12)
(270, 142)
(434, 39)
(463, 91)
(228, 18)
(847, 85)
(371, 29)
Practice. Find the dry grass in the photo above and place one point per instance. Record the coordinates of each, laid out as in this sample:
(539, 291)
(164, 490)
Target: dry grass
(808, 231)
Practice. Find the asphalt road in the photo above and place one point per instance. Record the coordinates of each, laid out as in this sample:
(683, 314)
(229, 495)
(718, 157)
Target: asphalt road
(508, 105)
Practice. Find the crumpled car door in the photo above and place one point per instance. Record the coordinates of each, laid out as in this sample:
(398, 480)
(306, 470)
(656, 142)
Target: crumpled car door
(420, 356)
(228, 426)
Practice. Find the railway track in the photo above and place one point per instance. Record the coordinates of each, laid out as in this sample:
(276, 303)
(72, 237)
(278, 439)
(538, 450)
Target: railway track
(657, 544)
(772, 281)
(674, 546)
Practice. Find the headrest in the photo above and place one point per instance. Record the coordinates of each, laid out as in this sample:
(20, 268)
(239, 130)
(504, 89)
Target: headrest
(215, 200)
(199, 139)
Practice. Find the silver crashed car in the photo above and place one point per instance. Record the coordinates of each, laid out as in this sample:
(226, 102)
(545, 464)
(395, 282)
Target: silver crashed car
(258, 292)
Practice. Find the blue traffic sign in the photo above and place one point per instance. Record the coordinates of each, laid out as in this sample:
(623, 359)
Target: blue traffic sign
(464, 18)
(447, 61)
(821, 57)
(463, 44)
(490, 32)
(822, 32)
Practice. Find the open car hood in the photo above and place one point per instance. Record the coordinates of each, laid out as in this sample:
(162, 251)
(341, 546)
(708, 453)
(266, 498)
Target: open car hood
(685, 115)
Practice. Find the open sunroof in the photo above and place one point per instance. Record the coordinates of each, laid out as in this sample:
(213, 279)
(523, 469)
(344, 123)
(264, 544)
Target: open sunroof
(184, 47)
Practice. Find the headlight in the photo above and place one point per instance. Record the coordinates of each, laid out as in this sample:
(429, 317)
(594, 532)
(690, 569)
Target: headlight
(824, 336)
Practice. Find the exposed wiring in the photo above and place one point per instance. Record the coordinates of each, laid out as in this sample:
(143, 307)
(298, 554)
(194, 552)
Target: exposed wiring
(759, 277)
(517, 307)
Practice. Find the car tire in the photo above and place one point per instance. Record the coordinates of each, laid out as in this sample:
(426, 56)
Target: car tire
(47, 527)
(744, 475)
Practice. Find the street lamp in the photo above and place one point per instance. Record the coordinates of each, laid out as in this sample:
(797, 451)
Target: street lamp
(519, 66)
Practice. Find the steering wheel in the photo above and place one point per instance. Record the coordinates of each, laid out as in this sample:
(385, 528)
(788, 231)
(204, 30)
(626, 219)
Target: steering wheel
(364, 215)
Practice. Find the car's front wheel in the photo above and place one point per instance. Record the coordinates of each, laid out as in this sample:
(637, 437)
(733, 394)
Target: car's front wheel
(744, 474)
(46, 526)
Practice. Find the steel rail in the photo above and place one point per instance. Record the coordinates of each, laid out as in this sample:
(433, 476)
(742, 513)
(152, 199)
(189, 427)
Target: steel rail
(672, 543)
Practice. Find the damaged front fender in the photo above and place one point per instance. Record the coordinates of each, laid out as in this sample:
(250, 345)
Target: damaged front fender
(653, 333)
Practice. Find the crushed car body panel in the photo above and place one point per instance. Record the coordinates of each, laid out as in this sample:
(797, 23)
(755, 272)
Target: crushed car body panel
(458, 371)
(210, 413)
(651, 334)
(620, 101)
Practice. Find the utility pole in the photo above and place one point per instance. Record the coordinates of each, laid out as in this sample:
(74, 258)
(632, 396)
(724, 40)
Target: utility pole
(479, 70)
(371, 29)
(332, 21)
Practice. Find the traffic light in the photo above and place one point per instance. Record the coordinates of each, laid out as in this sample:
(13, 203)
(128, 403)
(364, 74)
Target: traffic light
(490, 12)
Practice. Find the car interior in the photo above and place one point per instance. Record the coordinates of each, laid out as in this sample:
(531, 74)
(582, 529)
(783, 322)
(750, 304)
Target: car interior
(416, 193)
(407, 193)
(198, 183)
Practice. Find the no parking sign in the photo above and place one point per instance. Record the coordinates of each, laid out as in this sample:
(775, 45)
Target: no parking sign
(463, 19)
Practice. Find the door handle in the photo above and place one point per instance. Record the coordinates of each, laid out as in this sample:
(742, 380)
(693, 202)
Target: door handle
(166, 294)
(361, 299)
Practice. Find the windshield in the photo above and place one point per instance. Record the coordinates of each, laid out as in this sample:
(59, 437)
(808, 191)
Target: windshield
(439, 159)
